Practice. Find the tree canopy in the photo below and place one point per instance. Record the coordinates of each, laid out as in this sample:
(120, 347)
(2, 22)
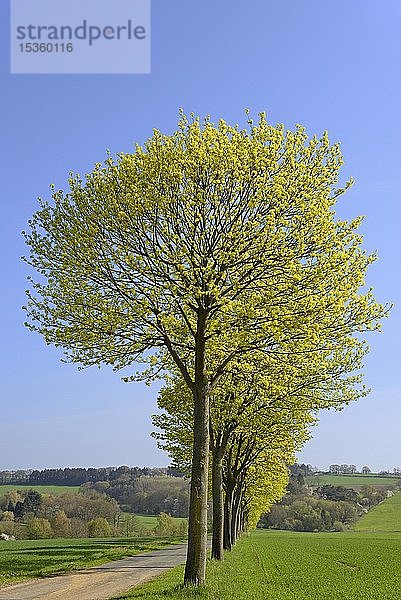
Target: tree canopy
(194, 251)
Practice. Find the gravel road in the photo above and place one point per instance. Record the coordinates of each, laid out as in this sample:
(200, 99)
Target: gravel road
(98, 583)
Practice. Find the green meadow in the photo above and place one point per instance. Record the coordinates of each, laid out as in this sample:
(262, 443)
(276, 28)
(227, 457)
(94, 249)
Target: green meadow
(352, 481)
(150, 521)
(270, 565)
(281, 565)
(386, 516)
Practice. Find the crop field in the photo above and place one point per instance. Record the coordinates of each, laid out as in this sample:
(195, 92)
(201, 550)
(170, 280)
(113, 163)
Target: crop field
(295, 566)
(20, 560)
(42, 489)
(386, 516)
(352, 481)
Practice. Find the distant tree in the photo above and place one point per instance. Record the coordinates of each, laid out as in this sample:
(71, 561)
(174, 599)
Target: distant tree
(32, 502)
(38, 528)
(61, 524)
(165, 525)
(296, 484)
(366, 470)
(101, 486)
(99, 527)
(9, 500)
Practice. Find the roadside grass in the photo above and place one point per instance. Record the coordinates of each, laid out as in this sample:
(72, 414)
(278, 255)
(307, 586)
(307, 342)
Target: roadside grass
(352, 481)
(386, 516)
(25, 559)
(42, 489)
(281, 565)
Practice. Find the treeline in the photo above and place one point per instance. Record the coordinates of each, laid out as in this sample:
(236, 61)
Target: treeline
(77, 476)
(29, 514)
(327, 508)
(147, 495)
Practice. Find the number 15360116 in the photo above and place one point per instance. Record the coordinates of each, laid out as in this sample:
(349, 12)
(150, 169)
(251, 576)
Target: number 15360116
(46, 47)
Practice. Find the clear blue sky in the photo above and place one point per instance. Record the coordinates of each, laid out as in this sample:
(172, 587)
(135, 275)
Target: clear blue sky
(327, 65)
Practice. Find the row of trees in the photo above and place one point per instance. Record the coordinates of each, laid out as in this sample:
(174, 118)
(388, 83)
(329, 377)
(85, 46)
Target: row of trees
(346, 469)
(78, 475)
(351, 469)
(213, 255)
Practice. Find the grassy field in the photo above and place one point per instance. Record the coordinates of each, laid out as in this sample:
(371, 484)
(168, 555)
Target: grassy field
(38, 558)
(295, 566)
(383, 517)
(42, 489)
(352, 481)
(150, 521)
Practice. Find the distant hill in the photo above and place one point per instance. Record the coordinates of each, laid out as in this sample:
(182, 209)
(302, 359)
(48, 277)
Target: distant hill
(353, 481)
(386, 516)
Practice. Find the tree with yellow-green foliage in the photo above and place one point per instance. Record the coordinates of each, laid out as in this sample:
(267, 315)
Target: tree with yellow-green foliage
(255, 466)
(211, 233)
(245, 426)
(263, 405)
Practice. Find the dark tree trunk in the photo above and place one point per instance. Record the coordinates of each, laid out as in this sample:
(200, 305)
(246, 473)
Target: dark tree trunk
(195, 568)
(217, 490)
(227, 540)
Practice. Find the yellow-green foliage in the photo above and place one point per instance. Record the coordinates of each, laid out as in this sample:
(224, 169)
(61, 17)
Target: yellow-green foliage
(239, 222)
(265, 483)
(213, 246)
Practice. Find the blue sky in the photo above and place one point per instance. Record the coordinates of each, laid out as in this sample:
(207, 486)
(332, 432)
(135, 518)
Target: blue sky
(327, 65)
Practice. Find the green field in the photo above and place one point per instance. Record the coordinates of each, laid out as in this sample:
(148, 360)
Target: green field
(42, 489)
(352, 481)
(38, 558)
(386, 516)
(295, 566)
(150, 521)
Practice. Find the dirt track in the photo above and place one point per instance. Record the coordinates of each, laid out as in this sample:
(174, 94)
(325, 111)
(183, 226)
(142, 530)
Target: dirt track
(98, 583)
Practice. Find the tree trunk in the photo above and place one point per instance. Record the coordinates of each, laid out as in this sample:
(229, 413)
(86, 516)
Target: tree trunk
(227, 541)
(217, 490)
(195, 568)
(234, 517)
